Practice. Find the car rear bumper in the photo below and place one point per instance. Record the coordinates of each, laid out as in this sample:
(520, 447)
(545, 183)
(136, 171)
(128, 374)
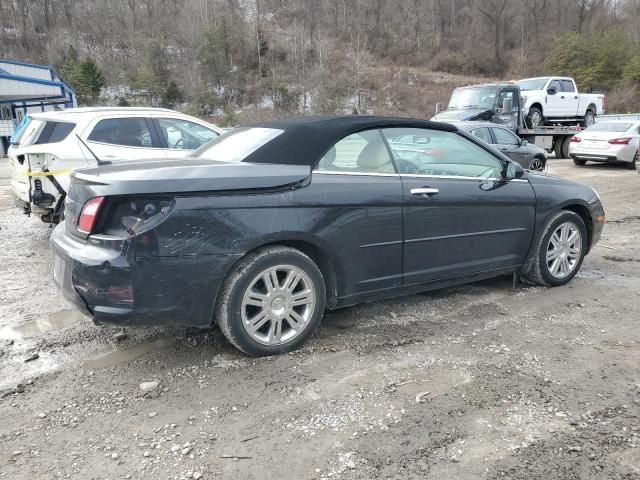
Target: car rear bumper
(615, 153)
(104, 281)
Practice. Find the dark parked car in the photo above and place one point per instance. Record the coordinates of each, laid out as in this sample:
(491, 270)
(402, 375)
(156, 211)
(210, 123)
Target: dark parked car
(265, 227)
(526, 154)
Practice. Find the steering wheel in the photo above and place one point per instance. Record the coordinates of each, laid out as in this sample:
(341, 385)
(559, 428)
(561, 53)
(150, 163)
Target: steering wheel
(179, 142)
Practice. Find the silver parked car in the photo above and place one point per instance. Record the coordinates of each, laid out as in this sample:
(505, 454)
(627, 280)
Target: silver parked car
(528, 155)
(608, 141)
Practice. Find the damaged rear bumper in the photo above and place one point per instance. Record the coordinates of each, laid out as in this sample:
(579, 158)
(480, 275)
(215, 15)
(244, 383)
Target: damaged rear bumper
(105, 281)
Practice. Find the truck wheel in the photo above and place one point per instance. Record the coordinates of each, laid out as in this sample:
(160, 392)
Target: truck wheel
(559, 252)
(271, 302)
(589, 119)
(534, 117)
(561, 148)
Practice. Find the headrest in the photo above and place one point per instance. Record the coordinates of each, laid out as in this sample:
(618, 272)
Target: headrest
(374, 156)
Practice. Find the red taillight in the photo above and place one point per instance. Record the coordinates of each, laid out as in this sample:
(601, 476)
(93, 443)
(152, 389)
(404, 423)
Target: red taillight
(620, 141)
(576, 139)
(89, 214)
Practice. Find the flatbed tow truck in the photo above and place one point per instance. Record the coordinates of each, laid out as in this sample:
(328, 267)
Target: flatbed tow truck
(501, 103)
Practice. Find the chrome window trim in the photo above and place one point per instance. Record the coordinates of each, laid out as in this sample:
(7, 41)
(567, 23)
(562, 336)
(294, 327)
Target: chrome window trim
(359, 174)
(449, 177)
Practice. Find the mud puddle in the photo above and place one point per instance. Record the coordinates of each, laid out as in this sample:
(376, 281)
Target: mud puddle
(54, 321)
(119, 357)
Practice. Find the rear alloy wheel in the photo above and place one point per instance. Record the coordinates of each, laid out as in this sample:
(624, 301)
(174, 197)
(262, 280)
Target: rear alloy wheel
(537, 164)
(534, 117)
(559, 252)
(272, 302)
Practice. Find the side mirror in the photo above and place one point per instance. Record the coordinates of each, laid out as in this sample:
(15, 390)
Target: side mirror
(512, 170)
(438, 108)
(551, 91)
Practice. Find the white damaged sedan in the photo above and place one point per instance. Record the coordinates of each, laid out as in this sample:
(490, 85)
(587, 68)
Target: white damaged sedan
(608, 141)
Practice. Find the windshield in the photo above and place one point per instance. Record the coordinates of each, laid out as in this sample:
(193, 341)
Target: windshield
(609, 127)
(532, 84)
(237, 145)
(476, 97)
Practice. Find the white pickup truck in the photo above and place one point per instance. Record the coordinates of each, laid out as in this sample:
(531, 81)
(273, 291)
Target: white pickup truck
(554, 100)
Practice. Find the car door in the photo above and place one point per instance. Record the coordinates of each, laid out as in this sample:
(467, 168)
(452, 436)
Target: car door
(179, 136)
(509, 144)
(569, 96)
(460, 216)
(555, 106)
(354, 202)
(124, 138)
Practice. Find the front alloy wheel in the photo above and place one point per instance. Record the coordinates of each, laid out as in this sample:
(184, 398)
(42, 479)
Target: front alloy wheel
(564, 250)
(278, 305)
(557, 254)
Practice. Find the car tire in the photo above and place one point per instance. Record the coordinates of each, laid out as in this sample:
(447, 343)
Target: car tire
(634, 163)
(251, 294)
(589, 119)
(579, 162)
(541, 270)
(537, 164)
(534, 117)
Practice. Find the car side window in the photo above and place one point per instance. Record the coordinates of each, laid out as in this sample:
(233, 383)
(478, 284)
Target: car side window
(128, 132)
(502, 97)
(556, 84)
(183, 134)
(483, 134)
(567, 86)
(440, 153)
(505, 137)
(362, 152)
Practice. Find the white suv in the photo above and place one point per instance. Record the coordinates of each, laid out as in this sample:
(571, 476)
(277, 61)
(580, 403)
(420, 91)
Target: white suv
(47, 148)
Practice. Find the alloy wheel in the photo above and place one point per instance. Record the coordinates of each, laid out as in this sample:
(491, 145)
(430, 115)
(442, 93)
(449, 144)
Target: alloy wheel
(278, 305)
(563, 250)
(537, 165)
(535, 119)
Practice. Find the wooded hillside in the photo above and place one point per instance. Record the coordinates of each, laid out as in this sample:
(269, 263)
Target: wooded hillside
(244, 59)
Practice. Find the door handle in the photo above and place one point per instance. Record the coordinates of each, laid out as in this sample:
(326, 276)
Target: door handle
(561, 96)
(426, 191)
(576, 97)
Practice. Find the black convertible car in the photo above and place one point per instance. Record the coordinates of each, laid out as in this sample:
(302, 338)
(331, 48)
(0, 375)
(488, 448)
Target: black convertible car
(265, 227)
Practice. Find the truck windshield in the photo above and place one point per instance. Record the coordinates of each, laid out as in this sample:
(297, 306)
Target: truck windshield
(473, 97)
(532, 84)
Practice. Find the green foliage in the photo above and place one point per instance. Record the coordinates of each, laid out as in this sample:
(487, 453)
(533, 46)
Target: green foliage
(632, 69)
(230, 116)
(172, 95)
(211, 55)
(83, 75)
(596, 61)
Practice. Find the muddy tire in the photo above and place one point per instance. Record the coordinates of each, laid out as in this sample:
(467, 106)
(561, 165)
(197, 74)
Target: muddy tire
(559, 252)
(272, 302)
(534, 117)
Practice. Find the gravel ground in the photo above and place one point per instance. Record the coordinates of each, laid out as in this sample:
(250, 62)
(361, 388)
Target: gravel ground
(473, 382)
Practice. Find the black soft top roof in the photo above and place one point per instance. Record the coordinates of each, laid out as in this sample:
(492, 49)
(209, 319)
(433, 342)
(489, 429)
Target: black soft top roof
(306, 139)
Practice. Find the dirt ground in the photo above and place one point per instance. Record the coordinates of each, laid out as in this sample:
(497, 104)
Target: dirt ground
(475, 382)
